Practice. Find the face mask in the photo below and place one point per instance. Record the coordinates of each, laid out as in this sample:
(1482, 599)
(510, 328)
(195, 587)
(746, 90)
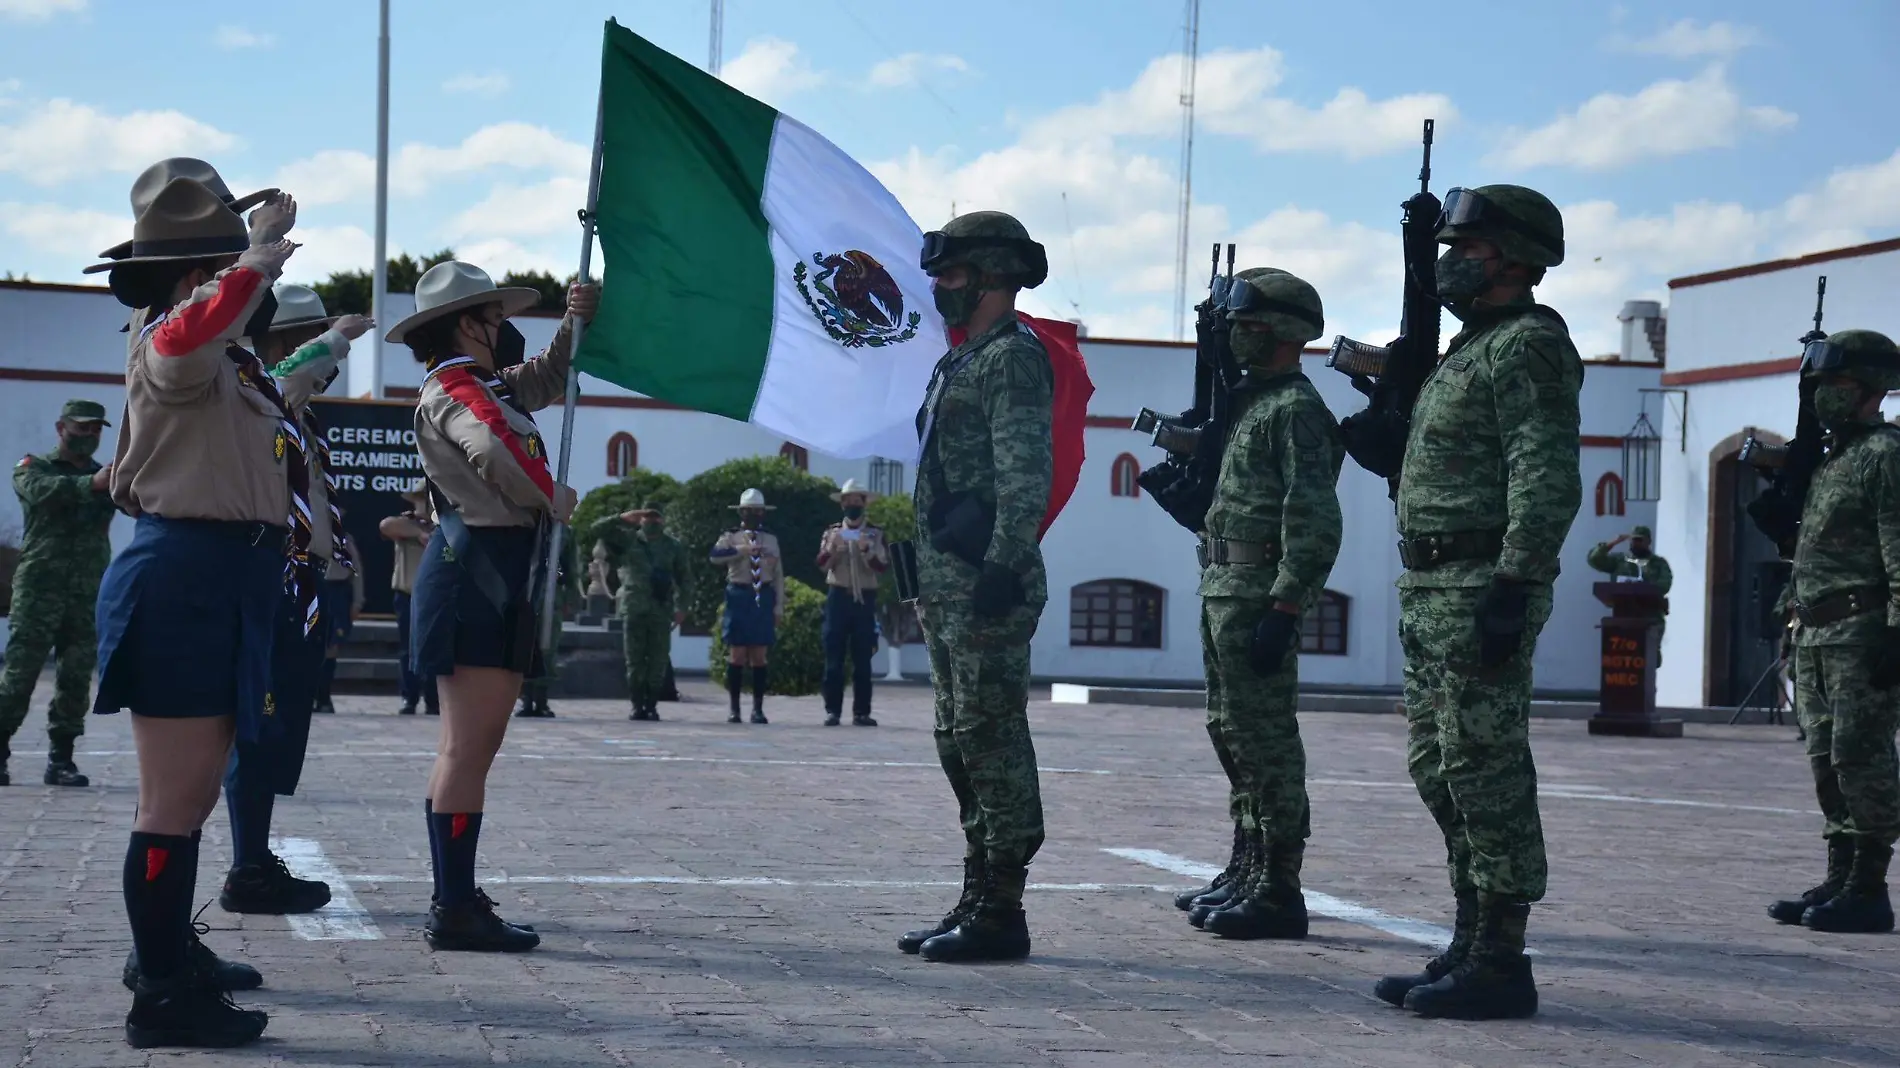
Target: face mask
(854, 511)
(956, 305)
(750, 519)
(511, 348)
(82, 445)
(649, 530)
(1253, 347)
(1640, 553)
(258, 324)
(1460, 280)
(1837, 404)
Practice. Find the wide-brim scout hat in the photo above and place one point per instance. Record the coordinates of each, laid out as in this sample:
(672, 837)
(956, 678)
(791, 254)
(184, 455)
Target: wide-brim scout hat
(84, 411)
(146, 187)
(853, 487)
(451, 286)
(298, 306)
(754, 499)
(185, 221)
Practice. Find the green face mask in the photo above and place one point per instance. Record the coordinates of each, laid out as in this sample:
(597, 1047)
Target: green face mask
(1460, 280)
(1837, 404)
(956, 305)
(1252, 347)
(649, 530)
(82, 445)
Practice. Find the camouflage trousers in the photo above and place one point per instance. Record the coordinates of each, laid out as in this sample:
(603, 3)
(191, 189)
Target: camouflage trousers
(646, 637)
(980, 670)
(1252, 719)
(1849, 727)
(1468, 745)
(56, 622)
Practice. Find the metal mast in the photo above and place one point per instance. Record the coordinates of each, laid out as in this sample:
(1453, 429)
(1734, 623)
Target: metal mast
(716, 43)
(1190, 60)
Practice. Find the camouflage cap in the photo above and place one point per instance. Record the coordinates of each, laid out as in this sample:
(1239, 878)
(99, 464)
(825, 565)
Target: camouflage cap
(1863, 355)
(654, 509)
(1526, 226)
(1643, 533)
(1286, 303)
(1016, 257)
(83, 411)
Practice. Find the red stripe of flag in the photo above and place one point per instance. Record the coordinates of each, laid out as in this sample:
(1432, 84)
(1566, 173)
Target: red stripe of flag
(464, 389)
(197, 325)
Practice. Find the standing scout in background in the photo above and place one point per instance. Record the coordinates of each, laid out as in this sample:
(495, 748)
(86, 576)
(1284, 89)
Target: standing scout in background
(210, 462)
(534, 689)
(408, 533)
(1845, 591)
(984, 472)
(342, 599)
(302, 346)
(1488, 489)
(852, 554)
(472, 613)
(650, 566)
(67, 513)
(1272, 534)
(755, 598)
(1640, 565)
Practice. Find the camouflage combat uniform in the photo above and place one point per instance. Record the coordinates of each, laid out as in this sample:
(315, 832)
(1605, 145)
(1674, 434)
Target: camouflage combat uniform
(646, 618)
(1652, 569)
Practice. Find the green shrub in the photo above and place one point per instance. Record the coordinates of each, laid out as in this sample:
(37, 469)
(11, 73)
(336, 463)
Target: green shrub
(703, 511)
(797, 660)
(633, 490)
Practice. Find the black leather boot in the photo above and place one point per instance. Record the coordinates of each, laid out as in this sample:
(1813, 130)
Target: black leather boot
(1273, 906)
(268, 889)
(63, 773)
(974, 874)
(1185, 901)
(1862, 906)
(1252, 862)
(1393, 988)
(862, 719)
(473, 927)
(1493, 981)
(225, 975)
(188, 1009)
(833, 718)
(995, 929)
(1840, 857)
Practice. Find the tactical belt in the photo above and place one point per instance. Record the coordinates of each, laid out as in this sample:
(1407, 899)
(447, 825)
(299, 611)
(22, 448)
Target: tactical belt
(1422, 552)
(1840, 605)
(1229, 551)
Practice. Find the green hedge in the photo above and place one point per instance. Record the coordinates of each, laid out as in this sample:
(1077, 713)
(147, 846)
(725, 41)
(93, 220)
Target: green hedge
(797, 660)
(631, 491)
(703, 511)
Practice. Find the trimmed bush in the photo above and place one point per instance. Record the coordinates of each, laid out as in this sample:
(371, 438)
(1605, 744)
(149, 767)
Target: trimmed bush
(703, 510)
(797, 660)
(633, 490)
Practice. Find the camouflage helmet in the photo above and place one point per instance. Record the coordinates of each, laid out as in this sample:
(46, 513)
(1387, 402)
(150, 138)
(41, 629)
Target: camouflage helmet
(1523, 223)
(1286, 303)
(1863, 355)
(989, 241)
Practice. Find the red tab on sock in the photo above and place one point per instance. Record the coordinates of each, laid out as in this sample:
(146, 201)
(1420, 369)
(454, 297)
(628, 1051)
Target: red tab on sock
(457, 824)
(155, 858)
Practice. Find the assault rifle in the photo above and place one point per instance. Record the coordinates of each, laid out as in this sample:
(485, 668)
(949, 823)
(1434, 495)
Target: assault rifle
(1789, 468)
(1391, 376)
(1183, 484)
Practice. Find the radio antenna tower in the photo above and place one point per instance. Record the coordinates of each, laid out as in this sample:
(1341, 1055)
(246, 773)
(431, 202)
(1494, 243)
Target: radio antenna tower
(716, 45)
(1190, 60)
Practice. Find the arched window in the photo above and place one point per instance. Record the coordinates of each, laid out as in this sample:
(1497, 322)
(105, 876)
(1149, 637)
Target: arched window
(1610, 494)
(1121, 476)
(623, 455)
(796, 455)
(1323, 631)
(1121, 613)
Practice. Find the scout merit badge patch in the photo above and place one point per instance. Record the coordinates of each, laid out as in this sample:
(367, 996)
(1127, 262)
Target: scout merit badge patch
(270, 704)
(278, 445)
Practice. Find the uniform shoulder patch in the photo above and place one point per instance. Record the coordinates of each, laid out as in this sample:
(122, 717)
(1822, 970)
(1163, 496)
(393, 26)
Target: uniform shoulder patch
(1311, 429)
(1026, 371)
(25, 461)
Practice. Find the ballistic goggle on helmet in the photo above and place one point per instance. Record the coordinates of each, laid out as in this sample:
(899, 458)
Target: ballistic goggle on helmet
(1271, 296)
(1017, 258)
(1527, 227)
(1862, 354)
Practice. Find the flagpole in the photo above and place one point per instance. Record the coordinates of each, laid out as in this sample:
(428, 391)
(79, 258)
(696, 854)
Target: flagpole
(379, 273)
(548, 600)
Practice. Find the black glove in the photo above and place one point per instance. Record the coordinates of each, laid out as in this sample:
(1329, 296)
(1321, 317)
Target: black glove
(1886, 673)
(998, 589)
(1273, 637)
(1375, 439)
(1775, 516)
(1502, 611)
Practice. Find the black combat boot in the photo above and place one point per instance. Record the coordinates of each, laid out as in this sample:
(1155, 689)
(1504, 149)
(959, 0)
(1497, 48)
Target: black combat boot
(759, 675)
(1273, 906)
(1252, 864)
(1493, 981)
(1393, 988)
(735, 682)
(269, 889)
(994, 930)
(408, 709)
(1862, 906)
(862, 719)
(473, 927)
(225, 975)
(188, 1009)
(833, 717)
(1840, 857)
(1185, 901)
(974, 876)
(60, 769)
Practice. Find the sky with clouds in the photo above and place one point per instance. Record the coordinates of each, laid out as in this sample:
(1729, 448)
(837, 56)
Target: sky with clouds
(1677, 137)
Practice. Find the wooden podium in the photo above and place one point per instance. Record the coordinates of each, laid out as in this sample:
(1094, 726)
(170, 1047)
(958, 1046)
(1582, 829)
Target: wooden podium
(1627, 704)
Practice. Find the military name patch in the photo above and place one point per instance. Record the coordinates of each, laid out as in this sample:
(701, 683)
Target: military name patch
(858, 303)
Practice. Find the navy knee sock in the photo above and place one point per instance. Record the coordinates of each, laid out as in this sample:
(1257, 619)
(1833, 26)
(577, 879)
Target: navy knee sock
(758, 688)
(160, 874)
(735, 683)
(435, 847)
(456, 835)
(250, 807)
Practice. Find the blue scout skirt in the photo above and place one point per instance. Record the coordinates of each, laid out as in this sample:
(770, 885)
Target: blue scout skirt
(749, 618)
(186, 616)
(274, 762)
(452, 623)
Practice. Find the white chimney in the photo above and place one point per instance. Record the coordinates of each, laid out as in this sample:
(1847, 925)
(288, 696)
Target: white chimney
(1645, 329)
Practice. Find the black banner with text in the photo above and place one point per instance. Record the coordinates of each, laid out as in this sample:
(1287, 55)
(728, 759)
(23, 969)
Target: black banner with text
(373, 461)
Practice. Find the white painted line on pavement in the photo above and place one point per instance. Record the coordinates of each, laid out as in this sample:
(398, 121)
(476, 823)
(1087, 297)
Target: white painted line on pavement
(695, 880)
(1672, 802)
(344, 918)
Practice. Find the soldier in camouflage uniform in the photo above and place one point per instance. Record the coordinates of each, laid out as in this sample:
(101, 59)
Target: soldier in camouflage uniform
(1271, 536)
(983, 477)
(1640, 564)
(1845, 591)
(67, 510)
(651, 569)
(1488, 490)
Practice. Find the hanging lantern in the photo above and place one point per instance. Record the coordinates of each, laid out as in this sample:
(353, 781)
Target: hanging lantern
(1642, 461)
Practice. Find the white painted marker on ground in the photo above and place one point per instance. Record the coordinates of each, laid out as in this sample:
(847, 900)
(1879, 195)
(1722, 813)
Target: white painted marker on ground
(344, 918)
(696, 880)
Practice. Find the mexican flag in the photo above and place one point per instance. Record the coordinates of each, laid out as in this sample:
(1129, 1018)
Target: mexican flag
(755, 271)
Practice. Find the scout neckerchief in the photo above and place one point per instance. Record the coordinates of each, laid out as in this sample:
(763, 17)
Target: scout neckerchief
(300, 578)
(319, 444)
(757, 554)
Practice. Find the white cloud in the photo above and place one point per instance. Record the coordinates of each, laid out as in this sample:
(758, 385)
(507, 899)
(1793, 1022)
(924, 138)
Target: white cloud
(498, 256)
(232, 38)
(60, 139)
(494, 83)
(336, 175)
(1689, 39)
(1850, 206)
(1667, 118)
(38, 10)
(771, 69)
(912, 68)
(76, 233)
(524, 211)
(327, 249)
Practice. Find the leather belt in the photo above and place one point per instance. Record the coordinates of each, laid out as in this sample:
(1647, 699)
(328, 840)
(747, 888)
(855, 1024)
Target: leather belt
(1422, 552)
(1840, 605)
(1229, 551)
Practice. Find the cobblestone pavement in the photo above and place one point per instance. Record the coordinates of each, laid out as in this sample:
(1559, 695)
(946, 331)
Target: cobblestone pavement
(730, 895)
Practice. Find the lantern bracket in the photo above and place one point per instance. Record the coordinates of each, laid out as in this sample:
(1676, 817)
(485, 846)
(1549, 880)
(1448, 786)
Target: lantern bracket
(1682, 412)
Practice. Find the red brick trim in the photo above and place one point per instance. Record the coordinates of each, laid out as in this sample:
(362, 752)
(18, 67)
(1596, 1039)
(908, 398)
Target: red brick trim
(1730, 372)
(1873, 248)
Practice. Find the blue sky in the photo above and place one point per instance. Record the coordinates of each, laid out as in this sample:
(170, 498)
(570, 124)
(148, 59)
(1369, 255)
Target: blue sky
(1678, 137)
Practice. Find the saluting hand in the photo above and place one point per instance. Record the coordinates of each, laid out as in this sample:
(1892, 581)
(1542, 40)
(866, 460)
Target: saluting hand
(274, 253)
(583, 300)
(354, 326)
(273, 219)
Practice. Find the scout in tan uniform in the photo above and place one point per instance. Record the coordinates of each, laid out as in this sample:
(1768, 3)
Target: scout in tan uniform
(472, 612)
(852, 553)
(408, 533)
(755, 598)
(209, 463)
